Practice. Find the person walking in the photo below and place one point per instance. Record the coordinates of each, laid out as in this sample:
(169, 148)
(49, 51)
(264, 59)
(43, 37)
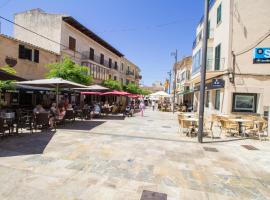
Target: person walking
(142, 107)
(153, 105)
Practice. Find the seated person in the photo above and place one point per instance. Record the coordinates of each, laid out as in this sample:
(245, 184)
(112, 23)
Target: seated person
(69, 107)
(38, 109)
(97, 109)
(61, 112)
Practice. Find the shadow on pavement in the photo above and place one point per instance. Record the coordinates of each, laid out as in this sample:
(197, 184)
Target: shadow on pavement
(25, 144)
(81, 125)
(113, 117)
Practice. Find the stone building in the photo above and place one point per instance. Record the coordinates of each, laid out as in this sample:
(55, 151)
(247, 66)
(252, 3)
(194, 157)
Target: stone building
(28, 60)
(183, 85)
(66, 36)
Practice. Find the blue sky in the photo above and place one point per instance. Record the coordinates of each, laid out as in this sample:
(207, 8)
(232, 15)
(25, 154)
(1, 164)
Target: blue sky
(145, 31)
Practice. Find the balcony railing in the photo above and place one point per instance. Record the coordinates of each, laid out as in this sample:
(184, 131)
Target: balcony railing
(138, 77)
(96, 58)
(130, 73)
(199, 38)
(211, 65)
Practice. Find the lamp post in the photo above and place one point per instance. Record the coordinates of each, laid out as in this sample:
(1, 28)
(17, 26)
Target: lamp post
(174, 81)
(203, 71)
(170, 79)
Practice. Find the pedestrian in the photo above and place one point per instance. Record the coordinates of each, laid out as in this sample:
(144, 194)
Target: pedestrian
(142, 107)
(153, 105)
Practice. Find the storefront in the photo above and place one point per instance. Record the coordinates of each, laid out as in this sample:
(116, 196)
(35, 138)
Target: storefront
(214, 96)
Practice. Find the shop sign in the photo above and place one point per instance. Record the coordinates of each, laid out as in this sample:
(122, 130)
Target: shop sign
(261, 56)
(215, 84)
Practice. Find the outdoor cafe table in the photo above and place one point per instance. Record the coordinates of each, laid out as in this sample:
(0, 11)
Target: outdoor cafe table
(187, 114)
(240, 124)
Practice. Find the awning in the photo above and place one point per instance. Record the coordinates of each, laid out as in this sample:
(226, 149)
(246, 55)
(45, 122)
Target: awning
(209, 75)
(91, 93)
(185, 92)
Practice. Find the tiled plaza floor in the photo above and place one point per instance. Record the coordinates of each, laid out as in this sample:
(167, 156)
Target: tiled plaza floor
(116, 159)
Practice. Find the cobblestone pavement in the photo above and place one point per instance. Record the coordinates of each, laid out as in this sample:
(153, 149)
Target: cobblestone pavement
(116, 159)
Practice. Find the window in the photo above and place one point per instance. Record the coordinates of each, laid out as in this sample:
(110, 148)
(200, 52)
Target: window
(209, 29)
(196, 64)
(217, 57)
(217, 100)
(36, 56)
(115, 78)
(127, 82)
(207, 100)
(110, 63)
(72, 43)
(25, 53)
(244, 102)
(219, 13)
(110, 76)
(91, 54)
(116, 65)
(101, 59)
(21, 51)
(122, 67)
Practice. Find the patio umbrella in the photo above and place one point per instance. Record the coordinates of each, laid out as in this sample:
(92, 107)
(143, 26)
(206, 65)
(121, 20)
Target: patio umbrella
(93, 88)
(52, 83)
(115, 92)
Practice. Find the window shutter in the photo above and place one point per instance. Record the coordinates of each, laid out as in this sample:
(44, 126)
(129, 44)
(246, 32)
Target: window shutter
(36, 56)
(72, 43)
(21, 52)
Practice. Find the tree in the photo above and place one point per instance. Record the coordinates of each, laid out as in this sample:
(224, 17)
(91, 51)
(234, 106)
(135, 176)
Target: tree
(68, 70)
(114, 85)
(132, 88)
(7, 84)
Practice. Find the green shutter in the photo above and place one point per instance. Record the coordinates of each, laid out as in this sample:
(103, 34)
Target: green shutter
(217, 100)
(219, 12)
(217, 57)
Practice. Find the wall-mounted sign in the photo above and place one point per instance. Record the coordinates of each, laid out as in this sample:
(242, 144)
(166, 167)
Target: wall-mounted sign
(215, 84)
(218, 83)
(261, 56)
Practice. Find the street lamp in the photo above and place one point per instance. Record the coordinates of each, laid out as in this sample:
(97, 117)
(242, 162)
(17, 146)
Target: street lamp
(174, 81)
(203, 71)
(170, 79)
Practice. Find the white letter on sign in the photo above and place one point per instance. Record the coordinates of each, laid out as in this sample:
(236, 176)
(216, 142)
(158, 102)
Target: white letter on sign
(267, 53)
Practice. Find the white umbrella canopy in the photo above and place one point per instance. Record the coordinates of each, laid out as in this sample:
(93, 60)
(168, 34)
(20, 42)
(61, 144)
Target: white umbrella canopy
(52, 83)
(93, 88)
(159, 94)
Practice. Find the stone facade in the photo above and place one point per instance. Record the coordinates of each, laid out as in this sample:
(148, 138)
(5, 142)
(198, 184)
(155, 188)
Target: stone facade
(32, 67)
(68, 37)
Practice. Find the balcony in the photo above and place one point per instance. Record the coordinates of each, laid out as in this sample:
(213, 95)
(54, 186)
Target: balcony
(96, 58)
(211, 66)
(138, 77)
(199, 38)
(130, 73)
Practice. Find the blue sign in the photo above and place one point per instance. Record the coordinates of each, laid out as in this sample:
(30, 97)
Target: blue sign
(218, 83)
(261, 55)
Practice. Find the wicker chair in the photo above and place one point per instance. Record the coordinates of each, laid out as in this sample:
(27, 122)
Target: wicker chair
(229, 127)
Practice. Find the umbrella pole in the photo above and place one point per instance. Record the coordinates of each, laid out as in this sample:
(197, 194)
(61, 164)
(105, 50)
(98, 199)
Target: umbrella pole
(57, 91)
